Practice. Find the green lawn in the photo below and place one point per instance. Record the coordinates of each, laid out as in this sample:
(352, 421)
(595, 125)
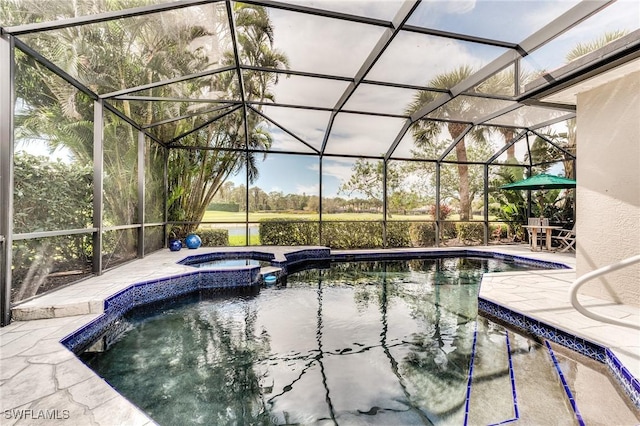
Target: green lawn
(240, 240)
(240, 217)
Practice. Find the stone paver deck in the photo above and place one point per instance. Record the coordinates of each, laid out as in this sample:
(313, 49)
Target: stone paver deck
(40, 380)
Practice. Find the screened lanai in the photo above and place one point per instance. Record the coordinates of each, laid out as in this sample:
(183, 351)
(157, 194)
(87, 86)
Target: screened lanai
(359, 124)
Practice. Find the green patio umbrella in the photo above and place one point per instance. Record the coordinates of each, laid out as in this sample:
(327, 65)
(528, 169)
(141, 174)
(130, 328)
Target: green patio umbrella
(541, 181)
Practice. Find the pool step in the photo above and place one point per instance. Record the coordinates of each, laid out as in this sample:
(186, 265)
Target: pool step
(491, 395)
(517, 383)
(541, 396)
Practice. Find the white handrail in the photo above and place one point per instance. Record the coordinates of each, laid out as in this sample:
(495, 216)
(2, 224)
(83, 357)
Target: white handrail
(573, 291)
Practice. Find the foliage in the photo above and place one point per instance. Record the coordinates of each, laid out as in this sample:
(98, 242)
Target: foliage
(279, 233)
(498, 230)
(350, 235)
(398, 234)
(48, 196)
(367, 178)
(43, 264)
(51, 195)
(54, 111)
(448, 230)
(426, 132)
(445, 211)
(214, 237)
(470, 232)
(423, 234)
(511, 205)
(197, 175)
(582, 49)
(337, 235)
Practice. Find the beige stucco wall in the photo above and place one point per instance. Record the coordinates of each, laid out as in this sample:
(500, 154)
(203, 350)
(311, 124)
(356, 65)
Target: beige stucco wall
(608, 192)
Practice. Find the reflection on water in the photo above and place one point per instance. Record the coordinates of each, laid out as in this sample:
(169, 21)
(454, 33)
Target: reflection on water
(366, 342)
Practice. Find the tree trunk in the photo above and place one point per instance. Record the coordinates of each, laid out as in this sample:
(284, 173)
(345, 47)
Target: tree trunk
(455, 130)
(463, 173)
(511, 151)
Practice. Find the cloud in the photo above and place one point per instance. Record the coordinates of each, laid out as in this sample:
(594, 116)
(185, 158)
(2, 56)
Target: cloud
(380, 9)
(309, 91)
(323, 45)
(308, 189)
(417, 58)
(338, 168)
(309, 125)
(458, 7)
(361, 134)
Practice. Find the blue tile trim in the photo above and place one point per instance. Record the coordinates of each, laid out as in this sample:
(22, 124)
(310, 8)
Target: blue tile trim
(514, 395)
(629, 384)
(436, 254)
(166, 288)
(513, 379)
(565, 385)
(146, 292)
(209, 257)
(302, 258)
(473, 356)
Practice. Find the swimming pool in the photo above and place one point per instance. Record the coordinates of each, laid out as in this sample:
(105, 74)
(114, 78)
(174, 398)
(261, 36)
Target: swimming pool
(228, 259)
(230, 262)
(365, 342)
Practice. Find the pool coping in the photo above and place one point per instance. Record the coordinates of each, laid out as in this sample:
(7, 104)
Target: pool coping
(47, 349)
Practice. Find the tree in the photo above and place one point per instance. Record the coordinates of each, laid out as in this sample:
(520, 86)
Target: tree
(425, 132)
(503, 83)
(368, 178)
(130, 52)
(105, 57)
(197, 175)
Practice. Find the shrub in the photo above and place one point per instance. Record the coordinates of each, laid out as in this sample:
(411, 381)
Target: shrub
(50, 196)
(278, 233)
(214, 237)
(499, 230)
(337, 235)
(423, 234)
(352, 235)
(445, 211)
(448, 230)
(398, 234)
(470, 232)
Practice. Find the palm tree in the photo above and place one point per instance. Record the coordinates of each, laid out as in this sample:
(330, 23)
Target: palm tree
(197, 176)
(122, 53)
(130, 52)
(425, 131)
(503, 83)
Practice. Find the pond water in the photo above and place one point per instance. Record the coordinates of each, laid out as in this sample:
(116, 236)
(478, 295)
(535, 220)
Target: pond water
(359, 343)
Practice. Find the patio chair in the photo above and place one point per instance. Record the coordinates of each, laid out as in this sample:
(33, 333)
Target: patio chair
(566, 239)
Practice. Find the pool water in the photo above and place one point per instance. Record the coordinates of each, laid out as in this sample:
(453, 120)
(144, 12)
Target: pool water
(359, 343)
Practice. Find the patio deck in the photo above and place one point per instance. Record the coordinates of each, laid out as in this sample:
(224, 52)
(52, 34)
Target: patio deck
(38, 373)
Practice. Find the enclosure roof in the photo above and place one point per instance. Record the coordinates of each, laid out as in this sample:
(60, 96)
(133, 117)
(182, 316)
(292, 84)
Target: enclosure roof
(347, 78)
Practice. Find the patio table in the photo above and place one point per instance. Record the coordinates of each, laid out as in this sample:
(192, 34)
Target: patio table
(543, 228)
